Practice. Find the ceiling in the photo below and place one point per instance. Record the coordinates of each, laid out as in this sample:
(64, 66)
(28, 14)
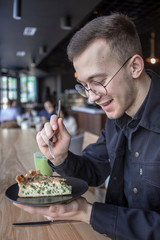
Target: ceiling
(46, 15)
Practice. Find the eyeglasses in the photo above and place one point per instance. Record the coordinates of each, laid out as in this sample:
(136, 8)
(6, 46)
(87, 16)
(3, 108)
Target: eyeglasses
(97, 87)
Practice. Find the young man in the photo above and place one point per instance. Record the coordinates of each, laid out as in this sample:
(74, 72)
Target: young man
(106, 54)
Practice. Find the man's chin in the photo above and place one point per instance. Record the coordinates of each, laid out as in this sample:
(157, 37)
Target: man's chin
(113, 115)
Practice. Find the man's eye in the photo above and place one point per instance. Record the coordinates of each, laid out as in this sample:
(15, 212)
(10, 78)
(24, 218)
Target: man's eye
(103, 81)
(97, 83)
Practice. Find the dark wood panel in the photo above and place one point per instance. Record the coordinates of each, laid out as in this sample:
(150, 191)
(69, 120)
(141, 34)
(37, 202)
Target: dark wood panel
(93, 123)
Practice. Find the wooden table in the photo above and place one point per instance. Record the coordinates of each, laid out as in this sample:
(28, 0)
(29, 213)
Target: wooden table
(16, 156)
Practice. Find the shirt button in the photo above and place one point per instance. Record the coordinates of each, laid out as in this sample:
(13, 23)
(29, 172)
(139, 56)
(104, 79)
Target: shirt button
(135, 190)
(115, 178)
(136, 154)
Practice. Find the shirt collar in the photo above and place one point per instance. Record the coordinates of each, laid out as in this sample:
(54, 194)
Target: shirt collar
(126, 120)
(150, 118)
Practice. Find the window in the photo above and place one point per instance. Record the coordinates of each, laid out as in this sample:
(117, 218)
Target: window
(28, 89)
(26, 92)
(8, 90)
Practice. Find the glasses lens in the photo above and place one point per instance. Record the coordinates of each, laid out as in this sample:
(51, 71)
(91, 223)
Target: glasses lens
(81, 90)
(98, 88)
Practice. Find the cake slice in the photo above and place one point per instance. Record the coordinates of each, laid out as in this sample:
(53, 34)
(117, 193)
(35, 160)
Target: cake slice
(34, 184)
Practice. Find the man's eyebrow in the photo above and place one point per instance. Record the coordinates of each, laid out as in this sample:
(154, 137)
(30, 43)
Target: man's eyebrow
(97, 75)
(94, 76)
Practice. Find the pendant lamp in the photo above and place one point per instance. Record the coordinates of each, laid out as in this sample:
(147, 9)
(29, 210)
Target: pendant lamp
(152, 59)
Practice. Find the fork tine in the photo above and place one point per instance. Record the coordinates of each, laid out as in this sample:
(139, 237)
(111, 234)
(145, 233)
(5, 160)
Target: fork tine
(59, 108)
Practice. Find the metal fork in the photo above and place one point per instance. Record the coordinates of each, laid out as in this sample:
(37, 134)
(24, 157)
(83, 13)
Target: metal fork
(51, 139)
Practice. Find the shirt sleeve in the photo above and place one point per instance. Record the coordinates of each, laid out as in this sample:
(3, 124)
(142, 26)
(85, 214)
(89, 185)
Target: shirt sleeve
(122, 223)
(92, 166)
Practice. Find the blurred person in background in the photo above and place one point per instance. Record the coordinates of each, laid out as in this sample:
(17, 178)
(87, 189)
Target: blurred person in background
(10, 113)
(69, 121)
(47, 112)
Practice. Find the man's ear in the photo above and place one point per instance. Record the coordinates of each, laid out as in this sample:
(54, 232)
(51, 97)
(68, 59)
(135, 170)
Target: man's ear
(137, 66)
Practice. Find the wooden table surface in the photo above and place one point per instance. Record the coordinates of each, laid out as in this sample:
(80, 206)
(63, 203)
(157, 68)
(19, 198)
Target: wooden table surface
(16, 156)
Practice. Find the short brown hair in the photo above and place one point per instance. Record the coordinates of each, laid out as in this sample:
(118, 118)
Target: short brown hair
(118, 30)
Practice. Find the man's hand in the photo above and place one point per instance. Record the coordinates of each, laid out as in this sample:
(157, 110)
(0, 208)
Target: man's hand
(61, 140)
(78, 210)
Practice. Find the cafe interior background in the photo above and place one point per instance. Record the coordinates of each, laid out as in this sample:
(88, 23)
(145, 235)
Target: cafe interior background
(33, 40)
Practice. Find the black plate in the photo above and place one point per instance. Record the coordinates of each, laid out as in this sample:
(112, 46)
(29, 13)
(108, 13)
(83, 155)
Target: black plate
(79, 187)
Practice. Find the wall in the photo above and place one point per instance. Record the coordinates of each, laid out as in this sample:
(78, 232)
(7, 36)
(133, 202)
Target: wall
(51, 83)
(46, 87)
(68, 80)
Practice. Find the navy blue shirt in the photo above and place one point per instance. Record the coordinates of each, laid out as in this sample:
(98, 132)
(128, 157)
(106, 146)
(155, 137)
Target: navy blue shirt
(44, 113)
(115, 218)
(129, 126)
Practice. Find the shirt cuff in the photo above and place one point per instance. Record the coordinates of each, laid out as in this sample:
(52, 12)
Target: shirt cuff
(55, 168)
(103, 218)
(62, 165)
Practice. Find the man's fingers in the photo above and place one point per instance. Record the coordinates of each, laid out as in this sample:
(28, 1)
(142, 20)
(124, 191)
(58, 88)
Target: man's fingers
(44, 211)
(48, 130)
(75, 210)
(62, 127)
(33, 210)
(53, 122)
(64, 209)
(40, 140)
(44, 136)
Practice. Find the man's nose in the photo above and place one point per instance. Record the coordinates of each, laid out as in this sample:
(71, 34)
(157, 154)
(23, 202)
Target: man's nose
(93, 97)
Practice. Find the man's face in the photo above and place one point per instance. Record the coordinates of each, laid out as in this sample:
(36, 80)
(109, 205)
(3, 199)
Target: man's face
(97, 63)
(48, 106)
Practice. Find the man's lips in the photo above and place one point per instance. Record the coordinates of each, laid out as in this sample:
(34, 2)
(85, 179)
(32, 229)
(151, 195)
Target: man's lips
(105, 105)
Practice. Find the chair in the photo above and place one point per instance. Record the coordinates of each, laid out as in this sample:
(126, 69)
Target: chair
(82, 140)
(88, 139)
(100, 191)
(76, 144)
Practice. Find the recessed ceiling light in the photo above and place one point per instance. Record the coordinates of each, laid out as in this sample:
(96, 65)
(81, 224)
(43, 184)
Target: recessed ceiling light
(17, 5)
(29, 31)
(21, 53)
(65, 23)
